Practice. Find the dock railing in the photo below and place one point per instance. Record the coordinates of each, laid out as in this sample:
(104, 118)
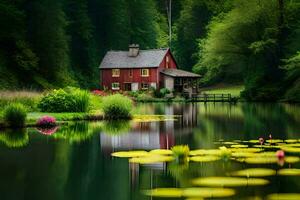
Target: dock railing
(212, 98)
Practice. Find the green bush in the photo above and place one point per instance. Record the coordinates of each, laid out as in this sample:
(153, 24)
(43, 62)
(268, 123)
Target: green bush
(117, 106)
(65, 100)
(164, 91)
(145, 98)
(15, 115)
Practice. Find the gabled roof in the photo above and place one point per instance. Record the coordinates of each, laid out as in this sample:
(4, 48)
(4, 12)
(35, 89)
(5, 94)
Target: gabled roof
(180, 73)
(145, 59)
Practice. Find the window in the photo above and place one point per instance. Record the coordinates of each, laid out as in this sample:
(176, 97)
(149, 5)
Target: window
(167, 62)
(115, 86)
(115, 72)
(130, 73)
(144, 72)
(144, 86)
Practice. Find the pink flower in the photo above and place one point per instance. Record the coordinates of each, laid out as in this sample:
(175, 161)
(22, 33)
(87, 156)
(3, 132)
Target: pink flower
(261, 140)
(46, 121)
(280, 154)
(99, 92)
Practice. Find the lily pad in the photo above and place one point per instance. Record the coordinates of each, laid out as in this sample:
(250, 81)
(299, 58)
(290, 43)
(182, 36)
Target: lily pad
(250, 150)
(151, 159)
(273, 141)
(164, 192)
(129, 154)
(290, 149)
(267, 146)
(291, 141)
(201, 152)
(291, 159)
(284, 196)
(239, 146)
(161, 152)
(270, 160)
(255, 172)
(261, 160)
(243, 154)
(229, 181)
(204, 158)
(289, 172)
(208, 192)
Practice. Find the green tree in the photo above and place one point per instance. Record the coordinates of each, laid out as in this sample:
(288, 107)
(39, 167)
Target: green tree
(50, 42)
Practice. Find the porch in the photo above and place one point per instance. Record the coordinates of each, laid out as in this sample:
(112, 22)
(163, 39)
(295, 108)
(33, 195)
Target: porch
(180, 81)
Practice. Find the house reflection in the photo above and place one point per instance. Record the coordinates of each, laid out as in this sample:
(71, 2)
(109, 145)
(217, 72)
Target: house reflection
(153, 135)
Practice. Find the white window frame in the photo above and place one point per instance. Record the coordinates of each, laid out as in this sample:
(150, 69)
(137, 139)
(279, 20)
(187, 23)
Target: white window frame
(114, 87)
(145, 74)
(145, 88)
(115, 72)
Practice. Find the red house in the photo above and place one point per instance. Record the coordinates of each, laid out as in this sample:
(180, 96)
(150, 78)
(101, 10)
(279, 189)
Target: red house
(141, 69)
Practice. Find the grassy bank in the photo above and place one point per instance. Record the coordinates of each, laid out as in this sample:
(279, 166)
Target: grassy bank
(234, 90)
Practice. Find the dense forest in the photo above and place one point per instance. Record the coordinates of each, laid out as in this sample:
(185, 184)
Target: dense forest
(54, 43)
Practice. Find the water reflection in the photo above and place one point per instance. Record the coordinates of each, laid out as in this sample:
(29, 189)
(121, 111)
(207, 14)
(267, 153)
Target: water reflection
(75, 162)
(14, 138)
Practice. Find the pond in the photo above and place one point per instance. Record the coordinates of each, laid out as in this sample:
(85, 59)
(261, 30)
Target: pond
(75, 162)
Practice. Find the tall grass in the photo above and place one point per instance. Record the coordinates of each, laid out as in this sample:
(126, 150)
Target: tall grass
(15, 115)
(29, 99)
(117, 106)
(65, 100)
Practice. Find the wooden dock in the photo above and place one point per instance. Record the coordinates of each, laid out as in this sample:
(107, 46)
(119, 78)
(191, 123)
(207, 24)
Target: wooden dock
(213, 98)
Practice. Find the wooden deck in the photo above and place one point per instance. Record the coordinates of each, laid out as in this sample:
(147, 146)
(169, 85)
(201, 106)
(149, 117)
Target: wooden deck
(213, 98)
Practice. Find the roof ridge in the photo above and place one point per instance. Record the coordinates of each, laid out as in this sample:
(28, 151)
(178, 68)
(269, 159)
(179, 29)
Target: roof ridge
(160, 49)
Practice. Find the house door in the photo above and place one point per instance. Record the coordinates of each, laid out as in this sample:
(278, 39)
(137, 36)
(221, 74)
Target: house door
(134, 86)
(127, 86)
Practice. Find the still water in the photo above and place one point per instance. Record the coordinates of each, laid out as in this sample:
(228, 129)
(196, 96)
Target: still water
(74, 161)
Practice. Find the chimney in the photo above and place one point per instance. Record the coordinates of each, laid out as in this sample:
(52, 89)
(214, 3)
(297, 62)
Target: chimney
(133, 50)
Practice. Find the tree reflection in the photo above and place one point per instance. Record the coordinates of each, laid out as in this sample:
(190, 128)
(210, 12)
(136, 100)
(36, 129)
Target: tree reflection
(14, 138)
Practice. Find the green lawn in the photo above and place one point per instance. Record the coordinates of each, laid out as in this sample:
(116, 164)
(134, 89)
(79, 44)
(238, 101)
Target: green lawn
(234, 90)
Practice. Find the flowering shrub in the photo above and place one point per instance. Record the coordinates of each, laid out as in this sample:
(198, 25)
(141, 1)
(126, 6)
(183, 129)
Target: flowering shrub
(99, 92)
(48, 131)
(46, 121)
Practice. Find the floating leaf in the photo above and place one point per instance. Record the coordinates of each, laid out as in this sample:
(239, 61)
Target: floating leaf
(254, 141)
(243, 154)
(255, 172)
(267, 146)
(239, 146)
(250, 150)
(291, 159)
(229, 181)
(291, 141)
(270, 160)
(161, 152)
(229, 143)
(151, 159)
(208, 192)
(202, 152)
(164, 192)
(289, 172)
(273, 141)
(204, 158)
(290, 149)
(284, 196)
(129, 154)
(292, 145)
(261, 160)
